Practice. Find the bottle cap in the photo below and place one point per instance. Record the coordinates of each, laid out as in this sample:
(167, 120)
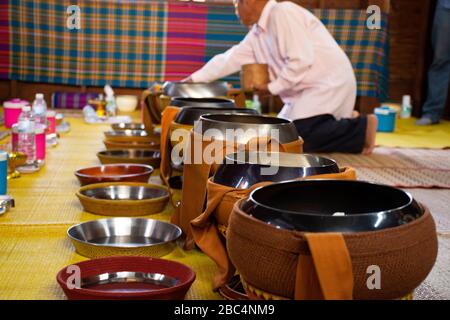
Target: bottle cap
(26, 109)
(39, 96)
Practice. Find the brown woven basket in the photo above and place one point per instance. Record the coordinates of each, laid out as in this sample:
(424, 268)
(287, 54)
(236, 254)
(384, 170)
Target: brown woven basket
(123, 208)
(267, 257)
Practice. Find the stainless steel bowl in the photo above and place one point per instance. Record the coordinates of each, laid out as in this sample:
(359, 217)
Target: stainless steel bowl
(124, 236)
(244, 169)
(156, 279)
(125, 192)
(195, 90)
(139, 156)
(127, 126)
(188, 115)
(126, 133)
(182, 102)
(252, 126)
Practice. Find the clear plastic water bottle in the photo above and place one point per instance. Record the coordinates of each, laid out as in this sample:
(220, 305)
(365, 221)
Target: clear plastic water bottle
(406, 108)
(40, 109)
(256, 103)
(26, 135)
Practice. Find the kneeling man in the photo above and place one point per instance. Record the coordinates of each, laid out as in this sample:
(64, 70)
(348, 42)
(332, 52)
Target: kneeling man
(308, 70)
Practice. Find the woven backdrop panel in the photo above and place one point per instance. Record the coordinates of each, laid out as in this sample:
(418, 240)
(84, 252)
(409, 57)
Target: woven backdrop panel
(133, 43)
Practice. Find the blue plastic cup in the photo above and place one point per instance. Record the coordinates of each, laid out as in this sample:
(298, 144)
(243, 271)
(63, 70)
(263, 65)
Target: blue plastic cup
(386, 119)
(3, 172)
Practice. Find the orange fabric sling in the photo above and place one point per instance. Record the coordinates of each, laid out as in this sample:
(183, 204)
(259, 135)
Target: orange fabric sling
(168, 116)
(326, 273)
(220, 202)
(195, 177)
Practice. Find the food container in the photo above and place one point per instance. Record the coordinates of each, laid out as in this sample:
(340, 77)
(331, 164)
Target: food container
(188, 115)
(326, 206)
(195, 90)
(386, 119)
(114, 173)
(124, 236)
(127, 278)
(243, 170)
(130, 136)
(343, 235)
(184, 122)
(126, 103)
(123, 199)
(12, 110)
(252, 126)
(212, 138)
(182, 102)
(137, 156)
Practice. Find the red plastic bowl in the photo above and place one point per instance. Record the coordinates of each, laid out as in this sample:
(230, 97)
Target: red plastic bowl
(128, 291)
(114, 173)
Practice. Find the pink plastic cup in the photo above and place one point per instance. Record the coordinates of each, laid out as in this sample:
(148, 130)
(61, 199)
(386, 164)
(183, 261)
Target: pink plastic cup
(51, 122)
(41, 143)
(12, 110)
(39, 140)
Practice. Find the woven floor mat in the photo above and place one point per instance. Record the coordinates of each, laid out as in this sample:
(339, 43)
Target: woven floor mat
(437, 284)
(407, 168)
(406, 178)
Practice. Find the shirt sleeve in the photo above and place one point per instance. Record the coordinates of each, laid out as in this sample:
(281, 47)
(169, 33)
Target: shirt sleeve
(295, 48)
(227, 63)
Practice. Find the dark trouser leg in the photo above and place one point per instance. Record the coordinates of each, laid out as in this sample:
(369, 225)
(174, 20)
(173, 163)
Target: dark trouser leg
(439, 72)
(326, 134)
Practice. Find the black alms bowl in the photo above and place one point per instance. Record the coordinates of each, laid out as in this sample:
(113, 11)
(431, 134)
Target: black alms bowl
(244, 169)
(188, 115)
(202, 102)
(332, 206)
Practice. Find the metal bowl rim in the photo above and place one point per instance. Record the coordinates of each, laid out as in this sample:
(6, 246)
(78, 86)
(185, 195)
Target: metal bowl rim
(115, 133)
(149, 170)
(104, 185)
(104, 153)
(367, 214)
(191, 275)
(206, 117)
(221, 100)
(178, 233)
(331, 162)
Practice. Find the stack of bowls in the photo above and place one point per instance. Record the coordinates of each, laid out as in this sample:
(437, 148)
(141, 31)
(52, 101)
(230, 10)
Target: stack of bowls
(212, 133)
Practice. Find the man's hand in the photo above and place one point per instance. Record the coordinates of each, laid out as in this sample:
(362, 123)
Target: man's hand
(262, 90)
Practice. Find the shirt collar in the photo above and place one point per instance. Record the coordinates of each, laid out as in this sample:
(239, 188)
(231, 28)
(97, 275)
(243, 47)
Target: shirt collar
(264, 19)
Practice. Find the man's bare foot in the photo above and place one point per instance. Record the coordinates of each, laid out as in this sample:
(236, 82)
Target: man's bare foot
(355, 114)
(371, 134)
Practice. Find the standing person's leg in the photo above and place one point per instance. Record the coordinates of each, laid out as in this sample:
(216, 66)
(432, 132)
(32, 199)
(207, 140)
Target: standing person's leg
(439, 72)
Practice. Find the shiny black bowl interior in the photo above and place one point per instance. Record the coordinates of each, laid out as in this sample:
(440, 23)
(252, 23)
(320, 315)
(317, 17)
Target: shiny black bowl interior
(332, 206)
(188, 115)
(244, 169)
(202, 102)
